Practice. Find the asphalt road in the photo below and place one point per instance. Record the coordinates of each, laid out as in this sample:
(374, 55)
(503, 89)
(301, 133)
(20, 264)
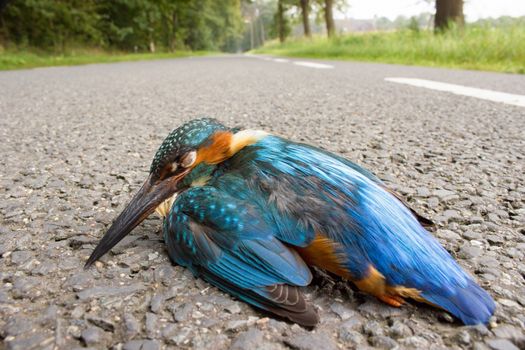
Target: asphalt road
(76, 142)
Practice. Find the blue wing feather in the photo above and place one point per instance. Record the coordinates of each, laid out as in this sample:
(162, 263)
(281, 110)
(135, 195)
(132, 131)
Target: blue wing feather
(230, 245)
(230, 237)
(315, 191)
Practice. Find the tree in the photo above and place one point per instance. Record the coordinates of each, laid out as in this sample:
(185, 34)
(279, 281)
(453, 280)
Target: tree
(3, 4)
(305, 12)
(329, 17)
(51, 24)
(447, 12)
(262, 31)
(260, 22)
(281, 23)
(130, 25)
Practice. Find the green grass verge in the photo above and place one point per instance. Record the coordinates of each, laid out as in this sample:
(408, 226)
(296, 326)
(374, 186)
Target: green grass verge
(20, 59)
(480, 48)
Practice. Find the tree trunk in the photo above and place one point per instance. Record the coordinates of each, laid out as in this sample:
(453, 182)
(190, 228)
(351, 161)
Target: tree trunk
(448, 11)
(329, 17)
(280, 15)
(305, 10)
(259, 20)
(174, 24)
(3, 4)
(151, 41)
(3, 33)
(263, 36)
(252, 34)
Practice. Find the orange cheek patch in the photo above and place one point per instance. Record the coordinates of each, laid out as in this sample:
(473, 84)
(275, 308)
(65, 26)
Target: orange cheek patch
(217, 151)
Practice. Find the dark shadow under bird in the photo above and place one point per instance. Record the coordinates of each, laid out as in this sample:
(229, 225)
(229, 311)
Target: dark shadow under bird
(250, 212)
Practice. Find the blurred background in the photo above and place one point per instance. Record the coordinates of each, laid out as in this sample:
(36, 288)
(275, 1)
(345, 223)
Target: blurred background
(475, 34)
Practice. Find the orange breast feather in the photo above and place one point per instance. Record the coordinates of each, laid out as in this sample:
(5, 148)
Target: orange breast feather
(322, 252)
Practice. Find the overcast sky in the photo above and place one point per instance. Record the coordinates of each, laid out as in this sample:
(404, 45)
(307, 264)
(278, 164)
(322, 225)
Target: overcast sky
(474, 9)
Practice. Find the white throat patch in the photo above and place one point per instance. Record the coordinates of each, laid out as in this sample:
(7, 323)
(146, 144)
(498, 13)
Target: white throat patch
(164, 208)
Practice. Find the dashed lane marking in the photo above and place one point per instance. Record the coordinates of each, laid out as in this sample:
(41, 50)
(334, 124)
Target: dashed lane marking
(490, 95)
(313, 65)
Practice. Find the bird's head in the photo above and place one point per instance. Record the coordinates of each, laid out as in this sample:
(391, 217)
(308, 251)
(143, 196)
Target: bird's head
(188, 154)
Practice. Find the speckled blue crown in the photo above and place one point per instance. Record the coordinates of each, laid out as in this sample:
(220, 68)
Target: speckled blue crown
(187, 136)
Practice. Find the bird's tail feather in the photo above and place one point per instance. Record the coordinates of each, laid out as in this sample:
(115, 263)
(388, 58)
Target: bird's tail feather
(471, 304)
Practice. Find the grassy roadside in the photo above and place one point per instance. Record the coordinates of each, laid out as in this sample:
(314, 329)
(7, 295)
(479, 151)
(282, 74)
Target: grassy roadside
(479, 48)
(21, 59)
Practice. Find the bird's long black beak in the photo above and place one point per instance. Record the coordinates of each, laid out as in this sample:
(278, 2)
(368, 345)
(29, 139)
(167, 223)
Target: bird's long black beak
(141, 206)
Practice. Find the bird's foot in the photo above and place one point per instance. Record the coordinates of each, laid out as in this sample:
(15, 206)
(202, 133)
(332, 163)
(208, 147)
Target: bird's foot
(392, 300)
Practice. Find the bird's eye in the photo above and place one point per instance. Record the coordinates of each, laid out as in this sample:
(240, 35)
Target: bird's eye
(188, 159)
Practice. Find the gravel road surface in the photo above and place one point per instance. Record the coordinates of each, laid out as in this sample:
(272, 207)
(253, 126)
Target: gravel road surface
(76, 143)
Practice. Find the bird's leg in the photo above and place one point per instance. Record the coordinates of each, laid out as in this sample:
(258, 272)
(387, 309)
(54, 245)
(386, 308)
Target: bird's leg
(374, 283)
(392, 300)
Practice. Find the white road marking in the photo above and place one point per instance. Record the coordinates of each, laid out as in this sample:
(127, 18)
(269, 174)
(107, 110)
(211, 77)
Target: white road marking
(313, 65)
(298, 63)
(496, 96)
(264, 58)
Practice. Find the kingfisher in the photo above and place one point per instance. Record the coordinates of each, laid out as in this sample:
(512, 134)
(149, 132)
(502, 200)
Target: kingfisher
(250, 213)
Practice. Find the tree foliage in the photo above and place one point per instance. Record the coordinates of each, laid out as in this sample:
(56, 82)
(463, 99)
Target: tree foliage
(123, 24)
